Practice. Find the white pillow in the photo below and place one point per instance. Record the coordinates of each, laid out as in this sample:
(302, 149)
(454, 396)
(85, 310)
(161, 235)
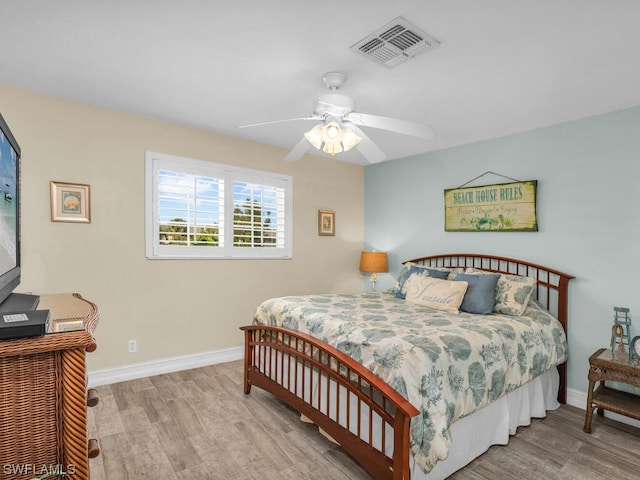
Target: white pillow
(432, 292)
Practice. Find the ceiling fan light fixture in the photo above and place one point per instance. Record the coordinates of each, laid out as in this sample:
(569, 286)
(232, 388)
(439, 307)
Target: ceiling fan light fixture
(332, 148)
(332, 132)
(314, 136)
(332, 137)
(349, 139)
(335, 138)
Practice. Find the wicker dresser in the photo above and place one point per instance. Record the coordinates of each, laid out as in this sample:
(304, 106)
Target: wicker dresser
(43, 396)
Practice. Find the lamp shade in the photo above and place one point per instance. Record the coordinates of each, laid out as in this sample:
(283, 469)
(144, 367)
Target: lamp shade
(373, 262)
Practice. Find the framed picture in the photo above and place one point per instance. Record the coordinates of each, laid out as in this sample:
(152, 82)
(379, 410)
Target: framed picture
(326, 223)
(70, 202)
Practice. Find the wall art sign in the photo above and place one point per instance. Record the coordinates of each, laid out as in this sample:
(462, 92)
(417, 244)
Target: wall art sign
(503, 207)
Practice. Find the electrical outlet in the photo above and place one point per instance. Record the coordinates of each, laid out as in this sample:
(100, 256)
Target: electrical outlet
(133, 346)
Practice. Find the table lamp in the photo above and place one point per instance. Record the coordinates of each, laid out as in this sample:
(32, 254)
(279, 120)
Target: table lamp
(373, 263)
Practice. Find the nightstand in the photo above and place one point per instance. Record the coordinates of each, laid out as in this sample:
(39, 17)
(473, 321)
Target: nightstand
(607, 367)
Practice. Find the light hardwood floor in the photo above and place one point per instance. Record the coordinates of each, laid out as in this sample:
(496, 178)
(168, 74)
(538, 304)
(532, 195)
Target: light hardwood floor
(198, 424)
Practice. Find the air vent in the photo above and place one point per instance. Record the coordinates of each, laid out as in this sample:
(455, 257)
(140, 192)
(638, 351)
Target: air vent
(395, 43)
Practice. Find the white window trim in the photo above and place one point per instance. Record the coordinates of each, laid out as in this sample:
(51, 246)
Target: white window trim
(154, 250)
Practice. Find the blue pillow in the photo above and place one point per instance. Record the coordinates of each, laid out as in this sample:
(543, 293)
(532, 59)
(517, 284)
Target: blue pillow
(480, 296)
(406, 273)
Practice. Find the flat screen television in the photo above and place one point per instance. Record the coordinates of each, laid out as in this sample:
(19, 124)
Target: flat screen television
(10, 223)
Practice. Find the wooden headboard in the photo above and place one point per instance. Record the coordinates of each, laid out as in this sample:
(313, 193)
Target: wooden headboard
(551, 290)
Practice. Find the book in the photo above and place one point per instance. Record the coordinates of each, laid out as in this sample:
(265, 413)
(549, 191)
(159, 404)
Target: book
(31, 323)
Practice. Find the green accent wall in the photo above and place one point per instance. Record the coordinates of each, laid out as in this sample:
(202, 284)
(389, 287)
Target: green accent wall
(588, 204)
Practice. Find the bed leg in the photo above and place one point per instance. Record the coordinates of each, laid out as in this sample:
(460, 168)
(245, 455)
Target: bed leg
(248, 360)
(562, 390)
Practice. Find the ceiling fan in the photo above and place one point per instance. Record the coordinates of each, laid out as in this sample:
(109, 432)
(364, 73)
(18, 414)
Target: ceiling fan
(339, 125)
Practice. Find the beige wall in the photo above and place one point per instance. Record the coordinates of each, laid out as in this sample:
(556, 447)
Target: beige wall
(171, 307)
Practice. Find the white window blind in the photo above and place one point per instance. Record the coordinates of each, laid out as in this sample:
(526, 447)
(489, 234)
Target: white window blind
(190, 209)
(199, 209)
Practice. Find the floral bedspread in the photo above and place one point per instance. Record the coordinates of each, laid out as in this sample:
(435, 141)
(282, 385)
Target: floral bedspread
(447, 365)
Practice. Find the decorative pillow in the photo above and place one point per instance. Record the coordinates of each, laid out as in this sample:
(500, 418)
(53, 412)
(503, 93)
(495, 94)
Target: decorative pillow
(435, 293)
(409, 269)
(402, 277)
(513, 292)
(454, 273)
(480, 297)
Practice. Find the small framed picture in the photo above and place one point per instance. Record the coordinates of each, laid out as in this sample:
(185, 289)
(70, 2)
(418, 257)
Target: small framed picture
(326, 223)
(70, 202)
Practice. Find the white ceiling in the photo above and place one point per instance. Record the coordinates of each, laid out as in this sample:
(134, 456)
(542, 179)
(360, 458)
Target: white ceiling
(503, 66)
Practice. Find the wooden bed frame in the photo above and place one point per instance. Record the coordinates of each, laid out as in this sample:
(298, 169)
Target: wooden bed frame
(271, 351)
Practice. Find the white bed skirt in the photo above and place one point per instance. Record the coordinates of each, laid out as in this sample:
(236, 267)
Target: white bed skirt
(471, 436)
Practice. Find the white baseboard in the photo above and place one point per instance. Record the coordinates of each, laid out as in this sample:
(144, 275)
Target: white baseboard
(168, 365)
(578, 399)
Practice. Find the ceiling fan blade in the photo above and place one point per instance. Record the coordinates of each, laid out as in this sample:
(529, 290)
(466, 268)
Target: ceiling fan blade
(297, 151)
(367, 148)
(391, 124)
(313, 117)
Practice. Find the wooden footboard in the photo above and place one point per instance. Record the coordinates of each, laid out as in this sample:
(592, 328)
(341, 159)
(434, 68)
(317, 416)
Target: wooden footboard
(338, 394)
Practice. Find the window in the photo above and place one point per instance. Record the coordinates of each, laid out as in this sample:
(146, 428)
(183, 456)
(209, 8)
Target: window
(200, 209)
